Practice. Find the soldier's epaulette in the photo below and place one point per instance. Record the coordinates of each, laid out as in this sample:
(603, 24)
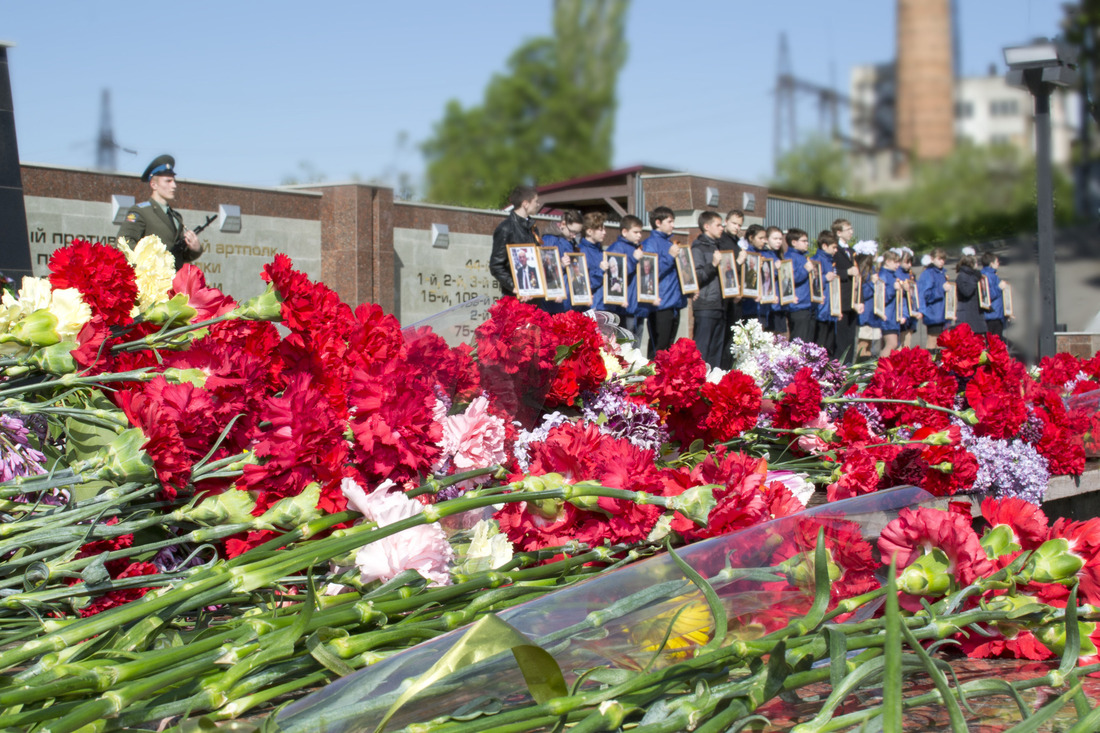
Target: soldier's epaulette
(143, 204)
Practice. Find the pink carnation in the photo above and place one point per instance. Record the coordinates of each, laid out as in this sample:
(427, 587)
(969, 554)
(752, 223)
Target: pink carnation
(424, 549)
(475, 438)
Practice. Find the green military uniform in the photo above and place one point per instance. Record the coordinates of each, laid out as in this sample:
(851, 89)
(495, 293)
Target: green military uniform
(149, 217)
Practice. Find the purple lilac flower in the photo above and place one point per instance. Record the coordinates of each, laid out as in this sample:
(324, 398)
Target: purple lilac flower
(617, 416)
(1008, 468)
(780, 368)
(17, 457)
(1032, 429)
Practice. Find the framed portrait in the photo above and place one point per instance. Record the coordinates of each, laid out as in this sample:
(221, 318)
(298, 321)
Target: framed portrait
(750, 275)
(880, 299)
(899, 304)
(914, 299)
(950, 302)
(817, 283)
(985, 302)
(727, 275)
(685, 269)
(835, 303)
(551, 270)
(580, 290)
(786, 282)
(1006, 293)
(614, 279)
(857, 290)
(646, 278)
(526, 266)
(767, 281)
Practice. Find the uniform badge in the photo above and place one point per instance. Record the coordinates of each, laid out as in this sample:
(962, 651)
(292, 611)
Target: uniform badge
(131, 217)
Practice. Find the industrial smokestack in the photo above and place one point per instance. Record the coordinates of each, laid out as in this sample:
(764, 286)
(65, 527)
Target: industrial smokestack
(925, 79)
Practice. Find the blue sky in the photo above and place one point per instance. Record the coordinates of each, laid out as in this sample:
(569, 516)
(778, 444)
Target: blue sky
(245, 92)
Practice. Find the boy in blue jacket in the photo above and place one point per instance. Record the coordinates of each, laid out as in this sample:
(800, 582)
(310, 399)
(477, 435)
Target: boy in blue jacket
(825, 331)
(995, 316)
(664, 319)
(628, 243)
(888, 275)
(799, 313)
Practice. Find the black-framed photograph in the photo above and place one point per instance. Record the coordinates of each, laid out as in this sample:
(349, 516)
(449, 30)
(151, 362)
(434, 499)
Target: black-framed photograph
(727, 275)
(880, 300)
(857, 290)
(950, 302)
(551, 270)
(835, 302)
(1006, 295)
(614, 279)
(985, 302)
(817, 283)
(767, 281)
(750, 275)
(786, 283)
(914, 299)
(646, 278)
(580, 290)
(526, 266)
(685, 270)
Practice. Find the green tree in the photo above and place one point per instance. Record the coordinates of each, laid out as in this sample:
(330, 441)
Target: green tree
(549, 118)
(818, 167)
(976, 194)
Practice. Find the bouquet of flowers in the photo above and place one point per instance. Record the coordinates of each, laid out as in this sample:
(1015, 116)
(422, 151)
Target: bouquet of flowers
(205, 513)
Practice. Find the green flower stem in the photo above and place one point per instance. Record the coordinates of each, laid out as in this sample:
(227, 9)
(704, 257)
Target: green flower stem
(93, 675)
(197, 536)
(21, 485)
(118, 699)
(72, 380)
(32, 530)
(886, 400)
(434, 485)
(161, 337)
(240, 704)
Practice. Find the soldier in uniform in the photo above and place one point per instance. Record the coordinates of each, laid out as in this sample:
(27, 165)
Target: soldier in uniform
(156, 216)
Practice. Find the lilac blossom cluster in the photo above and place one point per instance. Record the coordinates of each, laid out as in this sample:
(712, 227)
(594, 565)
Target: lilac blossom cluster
(1008, 467)
(17, 456)
(780, 367)
(618, 416)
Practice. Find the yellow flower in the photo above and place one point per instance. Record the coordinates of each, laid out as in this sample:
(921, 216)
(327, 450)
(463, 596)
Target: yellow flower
(611, 363)
(691, 626)
(154, 270)
(71, 312)
(65, 305)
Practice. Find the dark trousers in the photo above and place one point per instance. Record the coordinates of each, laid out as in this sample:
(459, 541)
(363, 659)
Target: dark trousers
(825, 336)
(802, 325)
(995, 326)
(709, 335)
(662, 329)
(635, 326)
(847, 328)
(733, 316)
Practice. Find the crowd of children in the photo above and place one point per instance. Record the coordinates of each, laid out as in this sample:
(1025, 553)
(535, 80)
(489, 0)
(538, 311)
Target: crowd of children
(845, 296)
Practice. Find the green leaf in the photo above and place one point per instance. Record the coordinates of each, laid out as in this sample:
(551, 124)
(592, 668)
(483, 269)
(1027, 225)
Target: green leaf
(325, 657)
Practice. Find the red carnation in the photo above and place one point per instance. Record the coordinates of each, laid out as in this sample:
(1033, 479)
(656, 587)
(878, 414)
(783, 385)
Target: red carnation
(1059, 369)
(679, 372)
(951, 468)
(858, 475)
(801, 401)
(1027, 521)
(101, 274)
(120, 596)
(960, 350)
(915, 531)
(998, 404)
(582, 368)
(909, 374)
(734, 405)
(207, 302)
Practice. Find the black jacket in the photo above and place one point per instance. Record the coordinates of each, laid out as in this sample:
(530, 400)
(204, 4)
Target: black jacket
(513, 230)
(728, 242)
(968, 312)
(709, 297)
(842, 261)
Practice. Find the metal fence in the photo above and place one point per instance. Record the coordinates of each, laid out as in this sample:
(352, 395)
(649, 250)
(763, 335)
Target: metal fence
(812, 217)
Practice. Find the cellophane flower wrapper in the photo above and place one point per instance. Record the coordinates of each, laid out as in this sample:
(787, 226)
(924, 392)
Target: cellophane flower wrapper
(1088, 402)
(620, 618)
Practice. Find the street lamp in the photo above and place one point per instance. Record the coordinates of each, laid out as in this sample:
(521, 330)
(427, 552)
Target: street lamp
(1039, 67)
